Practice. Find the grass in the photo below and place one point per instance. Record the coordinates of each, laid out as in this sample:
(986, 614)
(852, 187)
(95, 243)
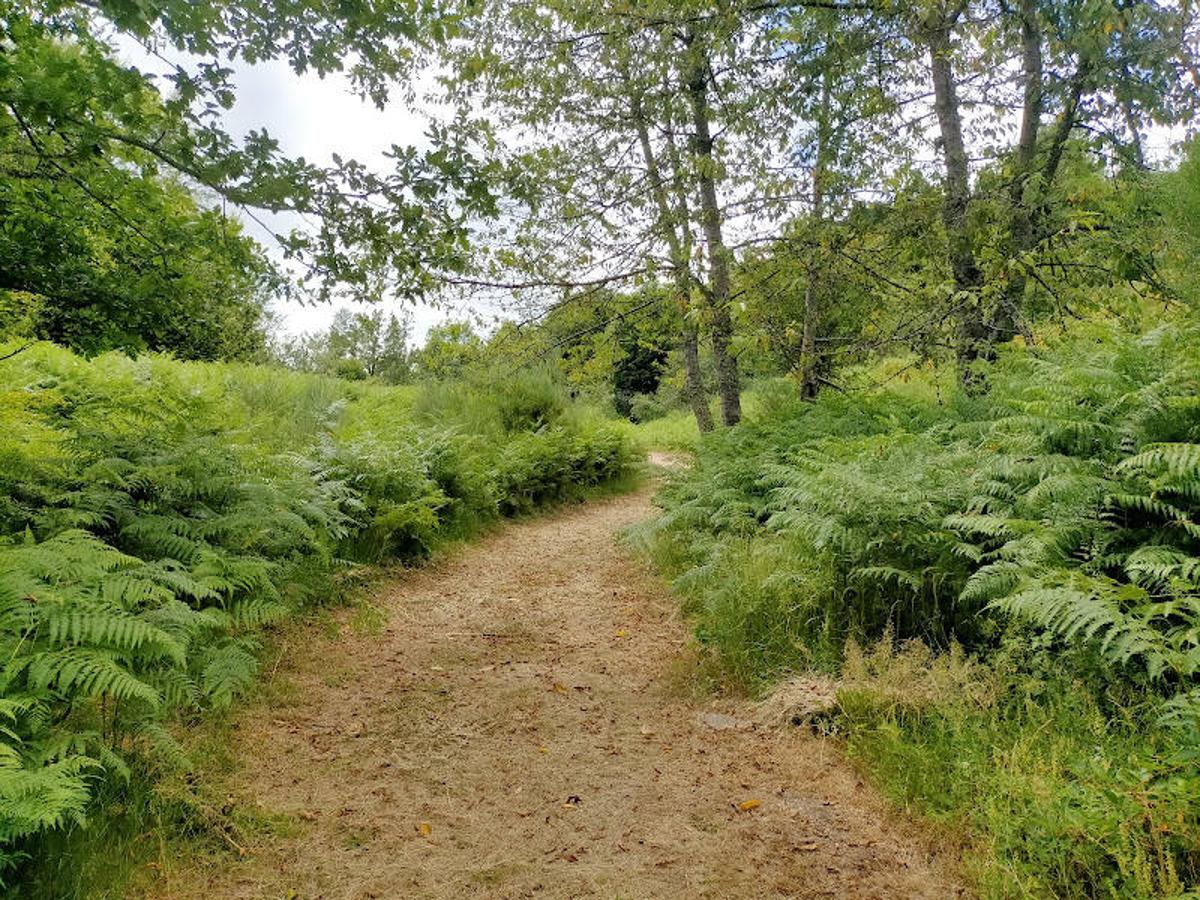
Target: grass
(1046, 527)
(1053, 788)
(677, 431)
(203, 505)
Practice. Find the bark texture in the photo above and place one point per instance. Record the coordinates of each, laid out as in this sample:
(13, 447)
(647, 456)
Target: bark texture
(696, 83)
(674, 230)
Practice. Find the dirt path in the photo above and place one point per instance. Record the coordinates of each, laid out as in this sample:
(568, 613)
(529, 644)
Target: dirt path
(513, 733)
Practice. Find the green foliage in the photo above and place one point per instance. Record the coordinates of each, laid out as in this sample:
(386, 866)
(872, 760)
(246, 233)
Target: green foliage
(1084, 517)
(111, 252)
(356, 346)
(549, 465)
(854, 488)
(449, 351)
(111, 175)
(1050, 521)
(530, 400)
(157, 516)
(1055, 788)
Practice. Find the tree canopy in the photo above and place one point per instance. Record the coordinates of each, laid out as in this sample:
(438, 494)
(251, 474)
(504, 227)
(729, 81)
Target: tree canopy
(124, 182)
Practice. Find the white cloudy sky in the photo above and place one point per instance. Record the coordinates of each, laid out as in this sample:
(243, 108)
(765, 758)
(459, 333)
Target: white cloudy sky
(314, 118)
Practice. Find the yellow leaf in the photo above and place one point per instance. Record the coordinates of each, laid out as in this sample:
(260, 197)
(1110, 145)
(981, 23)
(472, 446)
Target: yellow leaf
(747, 805)
(622, 633)
(425, 829)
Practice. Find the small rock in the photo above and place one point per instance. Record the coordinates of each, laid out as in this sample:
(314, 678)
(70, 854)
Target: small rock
(722, 722)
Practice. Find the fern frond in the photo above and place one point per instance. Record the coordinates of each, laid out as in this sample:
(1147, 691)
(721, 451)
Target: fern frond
(86, 671)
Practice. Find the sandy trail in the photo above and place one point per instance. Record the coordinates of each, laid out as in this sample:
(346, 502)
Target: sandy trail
(513, 733)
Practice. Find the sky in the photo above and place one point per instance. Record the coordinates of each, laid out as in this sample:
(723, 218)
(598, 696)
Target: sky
(314, 118)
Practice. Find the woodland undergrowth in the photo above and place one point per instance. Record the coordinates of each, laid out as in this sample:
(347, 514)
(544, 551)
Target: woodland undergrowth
(157, 518)
(1022, 565)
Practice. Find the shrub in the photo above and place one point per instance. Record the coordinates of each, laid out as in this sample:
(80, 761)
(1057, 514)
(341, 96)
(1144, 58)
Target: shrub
(155, 516)
(647, 408)
(529, 401)
(1052, 521)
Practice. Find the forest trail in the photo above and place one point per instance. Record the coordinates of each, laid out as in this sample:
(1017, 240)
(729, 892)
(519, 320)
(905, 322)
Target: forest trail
(515, 732)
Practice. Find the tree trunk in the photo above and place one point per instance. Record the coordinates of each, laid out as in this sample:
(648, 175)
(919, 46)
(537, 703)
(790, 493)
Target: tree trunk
(678, 246)
(973, 333)
(1062, 131)
(1031, 117)
(1137, 153)
(695, 77)
(1011, 318)
(810, 382)
(693, 384)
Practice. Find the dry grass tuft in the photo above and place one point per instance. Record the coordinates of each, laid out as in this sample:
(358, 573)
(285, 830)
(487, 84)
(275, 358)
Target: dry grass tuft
(798, 700)
(911, 676)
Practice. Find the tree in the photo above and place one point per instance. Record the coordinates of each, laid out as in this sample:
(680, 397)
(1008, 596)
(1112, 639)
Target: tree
(1105, 69)
(697, 76)
(179, 278)
(646, 130)
(356, 345)
(96, 159)
(449, 351)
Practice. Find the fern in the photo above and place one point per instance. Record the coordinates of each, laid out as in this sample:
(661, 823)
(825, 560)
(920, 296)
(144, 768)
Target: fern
(227, 669)
(1068, 499)
(40, 798)
(1092, 610)
(156, 516)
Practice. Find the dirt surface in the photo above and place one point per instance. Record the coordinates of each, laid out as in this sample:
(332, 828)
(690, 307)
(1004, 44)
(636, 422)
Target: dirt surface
(517, 730)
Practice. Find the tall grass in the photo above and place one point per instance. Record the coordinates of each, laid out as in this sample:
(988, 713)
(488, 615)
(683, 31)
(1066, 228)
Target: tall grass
(156, 517)
(1048, 527)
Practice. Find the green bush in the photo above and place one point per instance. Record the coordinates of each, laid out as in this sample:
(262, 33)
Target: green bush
(156, 515)
(647, 408)
(529, 401)
(506, 404)
(1054, 517)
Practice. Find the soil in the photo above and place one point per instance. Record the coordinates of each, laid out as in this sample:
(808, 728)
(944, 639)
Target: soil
(519, 729)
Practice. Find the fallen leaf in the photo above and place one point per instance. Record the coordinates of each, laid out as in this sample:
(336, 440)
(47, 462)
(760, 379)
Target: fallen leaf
(425, 829)
(747, 805)
(559, 688)
(622, 633)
